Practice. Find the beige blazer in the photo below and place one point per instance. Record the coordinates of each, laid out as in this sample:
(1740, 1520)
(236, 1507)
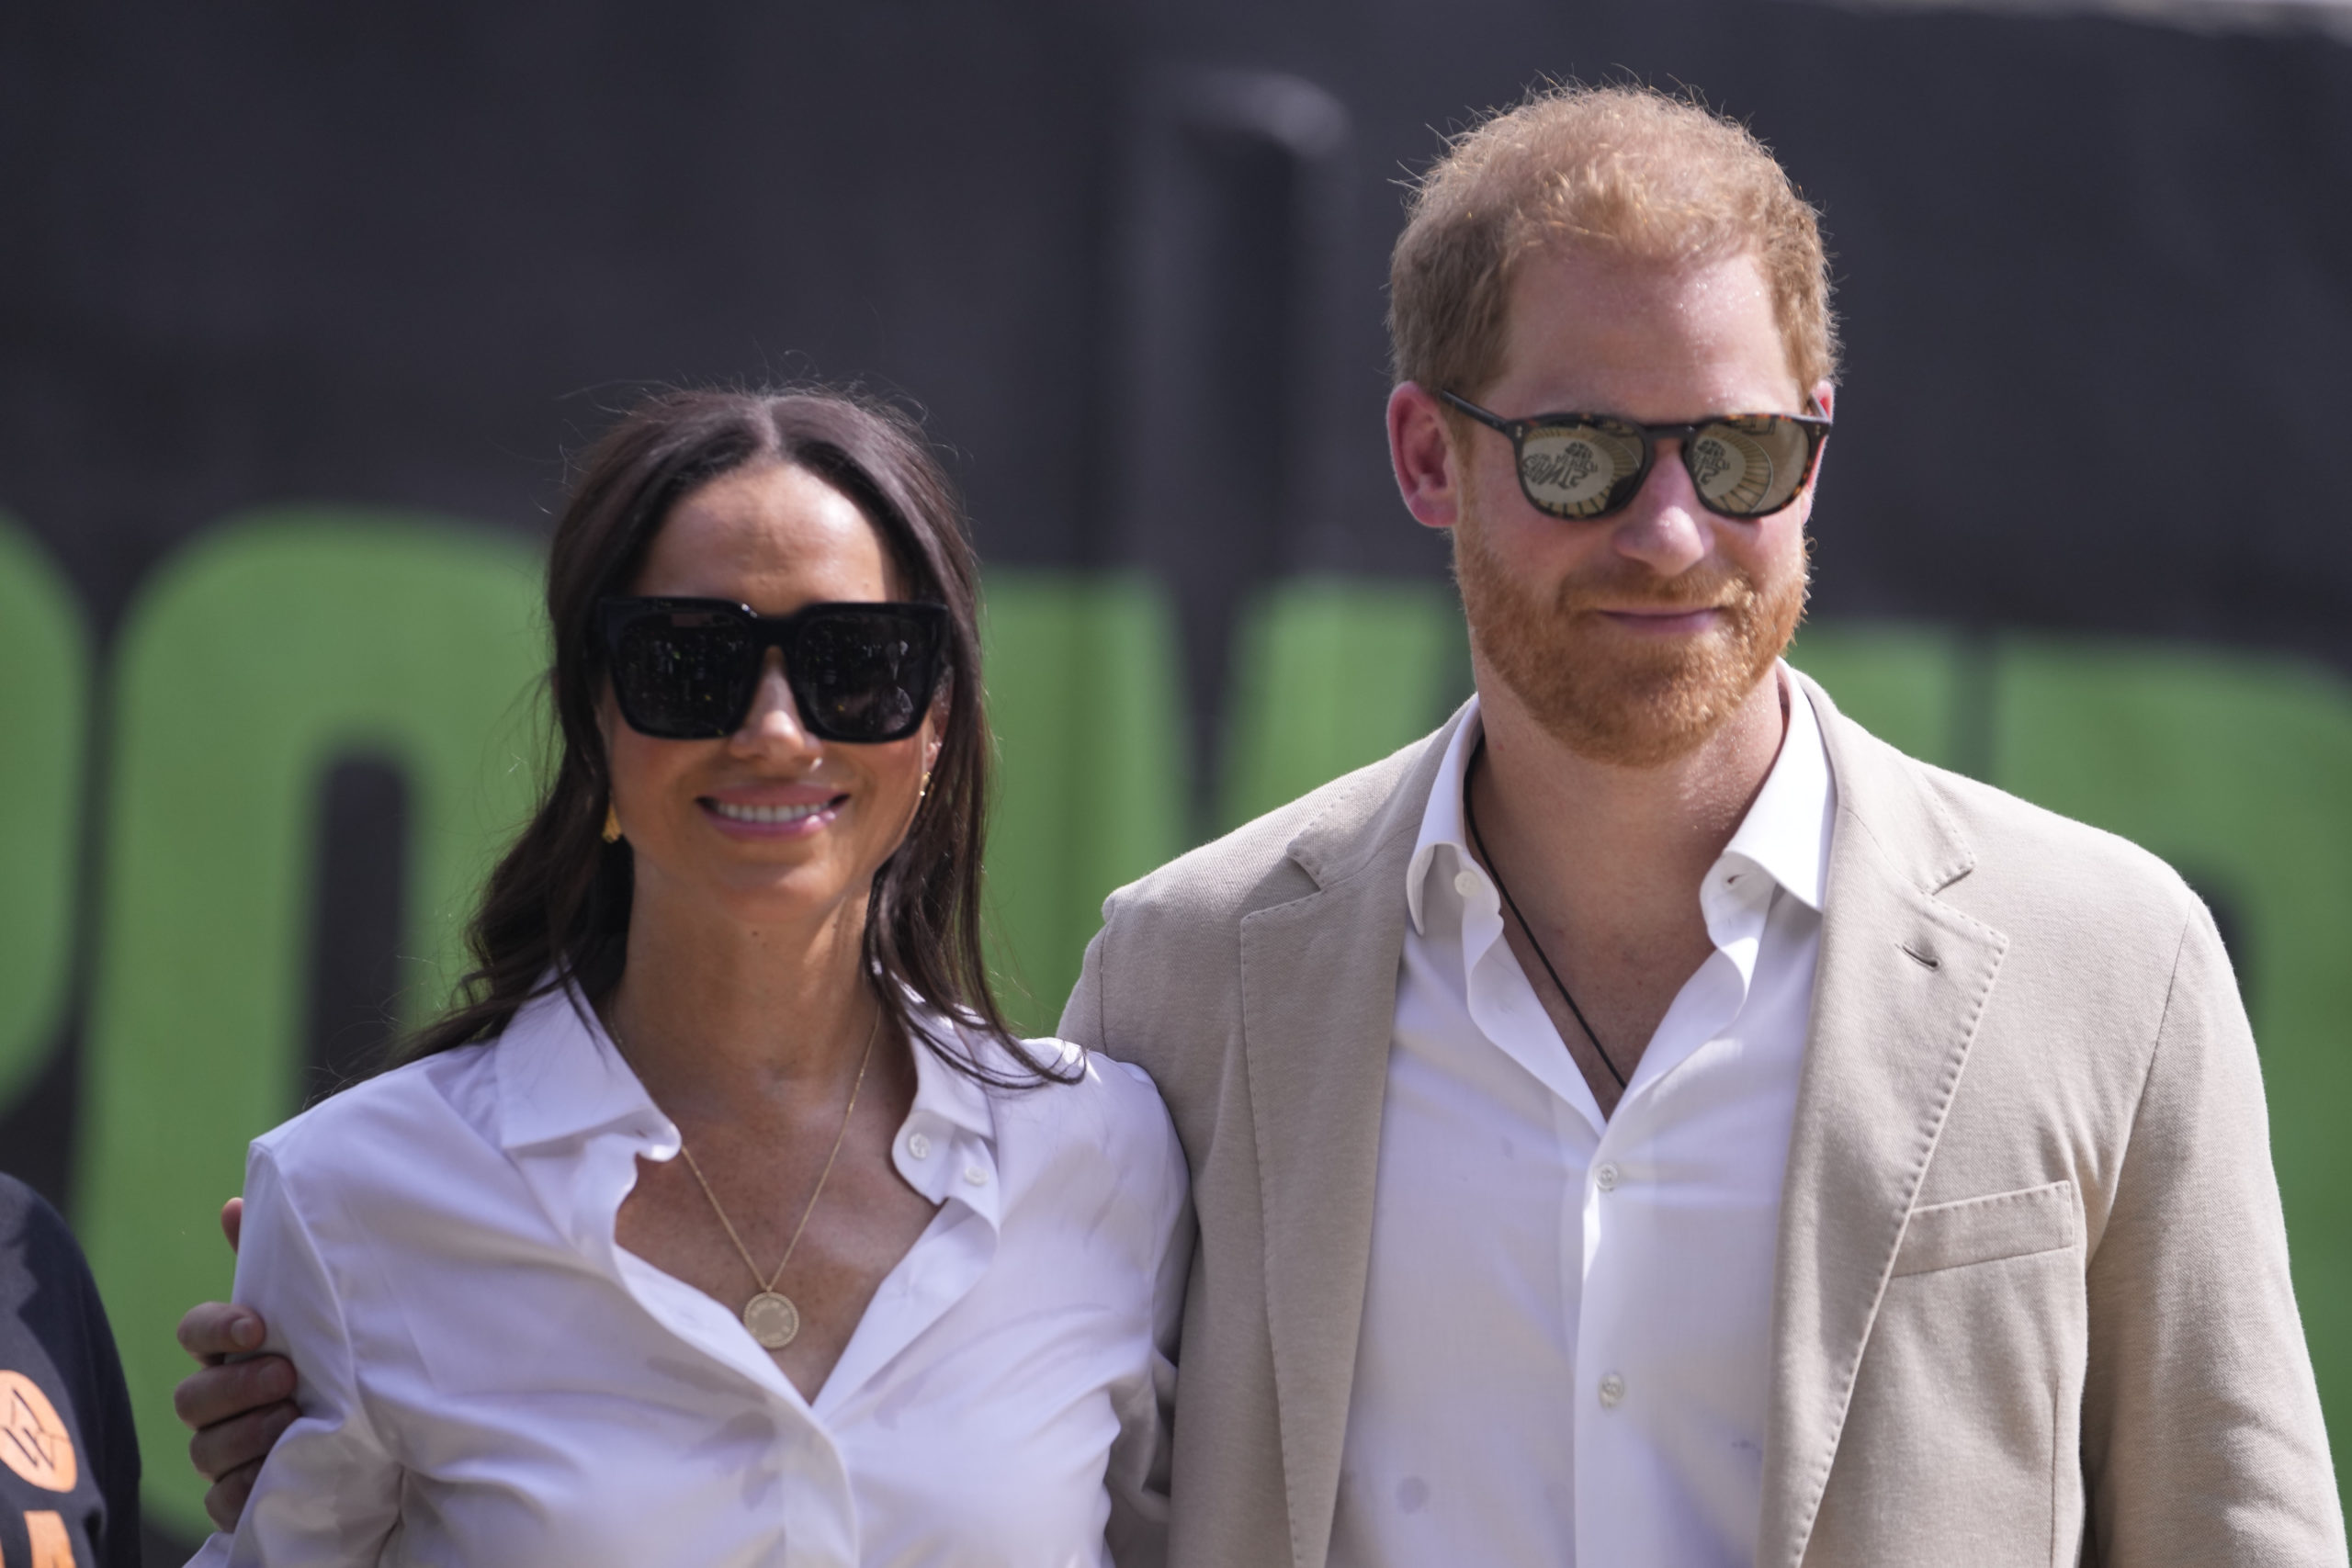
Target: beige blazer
(2031, 1302)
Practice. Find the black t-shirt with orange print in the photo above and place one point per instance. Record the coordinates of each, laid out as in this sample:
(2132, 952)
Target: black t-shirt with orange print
(69, 1459)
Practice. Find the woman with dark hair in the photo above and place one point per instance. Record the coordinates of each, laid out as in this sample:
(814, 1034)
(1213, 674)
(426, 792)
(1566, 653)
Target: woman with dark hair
(725, 1220)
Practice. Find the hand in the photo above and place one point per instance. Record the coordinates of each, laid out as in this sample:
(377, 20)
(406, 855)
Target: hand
(238, 1408)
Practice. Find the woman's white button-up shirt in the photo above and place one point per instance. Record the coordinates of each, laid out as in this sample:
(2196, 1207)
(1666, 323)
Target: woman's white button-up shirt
(486, 1377)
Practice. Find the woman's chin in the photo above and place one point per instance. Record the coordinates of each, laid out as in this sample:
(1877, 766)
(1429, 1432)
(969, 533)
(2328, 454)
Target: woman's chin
(768, 895)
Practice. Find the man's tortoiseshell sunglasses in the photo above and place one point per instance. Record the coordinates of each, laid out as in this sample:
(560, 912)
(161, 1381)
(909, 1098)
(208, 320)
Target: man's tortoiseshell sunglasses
(1583, 466)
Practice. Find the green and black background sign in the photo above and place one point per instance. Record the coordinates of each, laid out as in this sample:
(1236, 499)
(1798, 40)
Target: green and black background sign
(300, 309)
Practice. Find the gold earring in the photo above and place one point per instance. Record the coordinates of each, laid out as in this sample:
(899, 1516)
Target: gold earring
(924, 788)
(612, 824)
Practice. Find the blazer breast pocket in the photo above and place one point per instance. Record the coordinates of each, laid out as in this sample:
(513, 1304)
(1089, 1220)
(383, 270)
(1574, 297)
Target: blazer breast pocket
(1982, 1230)
(1963, 1434)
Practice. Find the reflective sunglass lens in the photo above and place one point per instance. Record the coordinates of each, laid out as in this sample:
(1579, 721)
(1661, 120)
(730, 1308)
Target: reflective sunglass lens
(1749, 468)
(865, 677)
(682, 675)
(1578, 470)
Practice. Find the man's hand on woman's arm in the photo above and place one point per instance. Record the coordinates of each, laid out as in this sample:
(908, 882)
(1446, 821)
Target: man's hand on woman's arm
(238, 1408)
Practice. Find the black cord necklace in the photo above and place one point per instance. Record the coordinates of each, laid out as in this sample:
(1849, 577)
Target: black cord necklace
(1470, 814)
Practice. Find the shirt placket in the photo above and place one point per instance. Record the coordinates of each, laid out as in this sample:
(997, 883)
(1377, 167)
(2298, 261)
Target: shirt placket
(956, 1170)
(816, 1525)
(1611, 1353)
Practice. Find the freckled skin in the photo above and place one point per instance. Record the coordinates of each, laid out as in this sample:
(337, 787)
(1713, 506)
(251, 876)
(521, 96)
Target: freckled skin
(1654, 346)
(775, 538)
(1604, 857)
(740, 1006)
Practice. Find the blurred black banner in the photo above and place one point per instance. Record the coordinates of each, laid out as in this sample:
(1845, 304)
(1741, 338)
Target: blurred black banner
(300, 309)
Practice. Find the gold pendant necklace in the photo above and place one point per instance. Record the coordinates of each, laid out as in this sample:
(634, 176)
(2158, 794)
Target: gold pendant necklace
(770, 1315)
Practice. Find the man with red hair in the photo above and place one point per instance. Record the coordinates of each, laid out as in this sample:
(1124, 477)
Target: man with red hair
(1650, 1121)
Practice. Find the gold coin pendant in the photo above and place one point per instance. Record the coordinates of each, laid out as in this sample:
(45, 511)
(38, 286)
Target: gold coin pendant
(774, 1321)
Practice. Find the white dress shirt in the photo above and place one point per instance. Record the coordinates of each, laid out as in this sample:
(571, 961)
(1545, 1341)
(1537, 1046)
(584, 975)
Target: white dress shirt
(1566, 1319)
(486, 1378)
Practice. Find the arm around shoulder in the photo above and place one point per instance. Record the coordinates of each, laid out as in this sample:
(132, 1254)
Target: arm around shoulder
(330, 1491)
(2202, 1439)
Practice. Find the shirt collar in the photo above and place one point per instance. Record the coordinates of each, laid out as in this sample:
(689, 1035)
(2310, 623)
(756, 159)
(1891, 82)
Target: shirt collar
(559, 1077)
(942, 1091)
(1442, 825)
(1785, 833)
(947, 1146)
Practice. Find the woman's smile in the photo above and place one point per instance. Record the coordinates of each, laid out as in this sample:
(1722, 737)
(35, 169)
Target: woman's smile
(797, 811)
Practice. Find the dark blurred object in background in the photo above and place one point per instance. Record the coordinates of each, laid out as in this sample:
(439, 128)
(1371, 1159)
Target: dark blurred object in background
(299, 308)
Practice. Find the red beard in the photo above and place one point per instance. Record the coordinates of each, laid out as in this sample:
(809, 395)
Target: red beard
(1636, 702)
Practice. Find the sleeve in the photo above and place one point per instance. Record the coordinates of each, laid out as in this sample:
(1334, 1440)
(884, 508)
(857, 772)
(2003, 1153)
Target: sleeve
(330, 1491)
(1138, 1472)
(1082, 1014)
(80, 1343)
(2202, 1439)
(113, 1437)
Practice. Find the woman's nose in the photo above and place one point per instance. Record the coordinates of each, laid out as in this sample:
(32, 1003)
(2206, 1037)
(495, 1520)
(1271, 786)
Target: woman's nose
(773, 718)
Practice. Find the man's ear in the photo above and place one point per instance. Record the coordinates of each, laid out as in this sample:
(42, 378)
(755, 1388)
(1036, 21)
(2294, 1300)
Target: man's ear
(1420, 451)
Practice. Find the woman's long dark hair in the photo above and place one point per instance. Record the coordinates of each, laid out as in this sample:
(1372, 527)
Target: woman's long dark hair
(556, 908)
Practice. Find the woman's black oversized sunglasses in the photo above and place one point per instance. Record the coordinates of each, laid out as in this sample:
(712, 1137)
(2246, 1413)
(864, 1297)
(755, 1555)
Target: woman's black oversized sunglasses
(687, 669)
(1583, 466)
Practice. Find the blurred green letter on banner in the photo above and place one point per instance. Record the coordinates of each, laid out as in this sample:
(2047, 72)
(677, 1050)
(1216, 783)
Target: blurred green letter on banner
(254, 660)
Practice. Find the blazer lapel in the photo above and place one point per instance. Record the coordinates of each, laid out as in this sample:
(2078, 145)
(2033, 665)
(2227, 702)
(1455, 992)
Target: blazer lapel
(1318, 988)
(1902, 982)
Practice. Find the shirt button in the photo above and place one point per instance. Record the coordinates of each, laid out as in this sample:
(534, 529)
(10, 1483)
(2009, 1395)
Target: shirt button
(1605, 1179)
(976, 1175)
(1465, 882)
(1612, 1391)
(918, 1145)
